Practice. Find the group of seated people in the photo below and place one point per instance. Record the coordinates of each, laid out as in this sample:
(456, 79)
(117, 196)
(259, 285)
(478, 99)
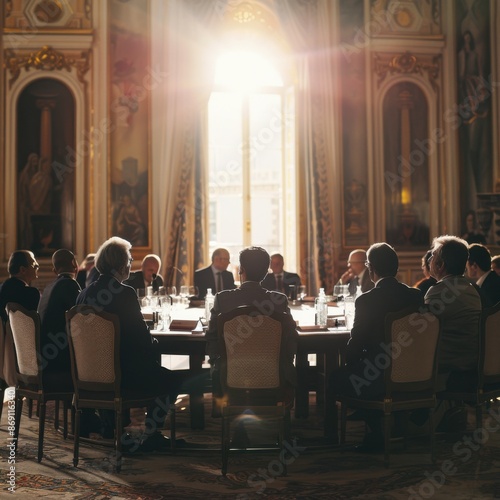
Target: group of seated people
(112, 287)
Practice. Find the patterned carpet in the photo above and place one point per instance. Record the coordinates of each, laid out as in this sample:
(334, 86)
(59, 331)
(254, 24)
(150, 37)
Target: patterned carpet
(464, 469)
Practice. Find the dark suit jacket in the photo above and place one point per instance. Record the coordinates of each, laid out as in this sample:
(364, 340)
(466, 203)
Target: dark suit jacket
(253, 294)
(82, 276)
(204, 279)
(139, 362)
(269, 282)
(58, 297)
(365, 282)
(136, 280)
(16, 290)
(367, 334)
(490, 290)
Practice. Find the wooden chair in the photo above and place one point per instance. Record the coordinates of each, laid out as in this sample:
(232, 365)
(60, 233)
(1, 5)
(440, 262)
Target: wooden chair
(487, 384)
(409, 373)
(32, 381)
(251, 346)
(94, 341)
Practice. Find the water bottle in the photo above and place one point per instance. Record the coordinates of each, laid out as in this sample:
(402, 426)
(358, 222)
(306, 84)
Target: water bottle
(321, 309)
(209, 303)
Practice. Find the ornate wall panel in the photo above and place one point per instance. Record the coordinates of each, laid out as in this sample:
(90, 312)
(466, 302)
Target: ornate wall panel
(33, 16)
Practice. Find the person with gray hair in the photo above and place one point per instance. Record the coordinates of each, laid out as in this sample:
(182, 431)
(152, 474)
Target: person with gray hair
(456, 302)
(141, 370)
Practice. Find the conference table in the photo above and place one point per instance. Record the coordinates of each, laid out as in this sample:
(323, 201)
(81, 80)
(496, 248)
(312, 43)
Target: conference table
(326, 344)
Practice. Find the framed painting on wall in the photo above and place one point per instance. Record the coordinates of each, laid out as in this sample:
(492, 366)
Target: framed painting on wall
(129, 139)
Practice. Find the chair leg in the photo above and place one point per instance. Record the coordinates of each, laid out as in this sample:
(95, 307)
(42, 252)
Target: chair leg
(118, 439)
(56, 414)
(76, 437)
(432, 432)
(30, 407)
(2, 394)
(387, 437)
(65, 419)
(172, 427)
(225, 439)
(283, 438)
(17, 422)
(41, 428)
(479, 416)
(343, 423)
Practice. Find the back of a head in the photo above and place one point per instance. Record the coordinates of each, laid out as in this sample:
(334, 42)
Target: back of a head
(18, 259)
(480, 255)
(112, 256)
(62, 260)
(383, 259)
(255, 262)
(453, 252)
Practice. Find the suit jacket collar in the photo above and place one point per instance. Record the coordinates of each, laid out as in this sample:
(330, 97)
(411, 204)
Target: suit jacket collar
(248, 285)
(386, 281)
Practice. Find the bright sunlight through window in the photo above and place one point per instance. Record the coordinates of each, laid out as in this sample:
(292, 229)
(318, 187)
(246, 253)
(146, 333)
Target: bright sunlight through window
(242, 71)
(251, 130)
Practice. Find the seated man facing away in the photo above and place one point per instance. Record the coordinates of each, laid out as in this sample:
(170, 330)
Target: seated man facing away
(280, 280)
(141, 370)
(456, 302)
(357, 378)
(479, 270)
(57, 298)
(356, 274)
(23, 269)
(216, 276)
(148, 275)
(254, 264)
(87, 273)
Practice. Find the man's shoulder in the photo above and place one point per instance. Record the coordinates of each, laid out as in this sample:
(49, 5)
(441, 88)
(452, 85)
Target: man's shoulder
(202, 271)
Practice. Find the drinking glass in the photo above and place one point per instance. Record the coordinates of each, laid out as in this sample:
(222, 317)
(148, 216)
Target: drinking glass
(340, 292)
(172, 291)
(302, 293)
(142, 297)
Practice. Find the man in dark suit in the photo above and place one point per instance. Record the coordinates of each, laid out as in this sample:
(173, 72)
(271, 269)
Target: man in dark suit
(356, 274)
(58, 297)
(141, 370)
(280, 280)
(148, 275)
(363, 376)
(215, 276)
(487, 280)
(87, 273)
(254, 264)
(23, 269)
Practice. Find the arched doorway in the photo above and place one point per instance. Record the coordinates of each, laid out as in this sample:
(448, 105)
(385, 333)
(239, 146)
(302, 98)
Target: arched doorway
(45, 185)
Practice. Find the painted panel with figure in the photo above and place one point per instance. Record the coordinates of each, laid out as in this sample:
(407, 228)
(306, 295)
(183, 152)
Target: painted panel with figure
(474, 109)
(45, 191)
(129, 111)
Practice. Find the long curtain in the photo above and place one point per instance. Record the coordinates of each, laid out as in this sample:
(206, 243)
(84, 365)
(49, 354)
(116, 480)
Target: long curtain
(308, 26)
(191, 28)
(181, 180)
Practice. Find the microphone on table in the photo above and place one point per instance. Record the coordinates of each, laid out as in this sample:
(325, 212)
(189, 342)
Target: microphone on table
(155, 284)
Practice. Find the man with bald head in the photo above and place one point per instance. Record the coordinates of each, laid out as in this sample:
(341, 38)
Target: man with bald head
(215, 276)
(148, 275)
(57, 298)
(356, 273)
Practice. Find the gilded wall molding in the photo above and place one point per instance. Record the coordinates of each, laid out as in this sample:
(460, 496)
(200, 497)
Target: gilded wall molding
(46, 59)
(407, 63)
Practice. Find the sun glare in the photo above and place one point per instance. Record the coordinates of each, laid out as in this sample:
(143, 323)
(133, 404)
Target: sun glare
(243, 71)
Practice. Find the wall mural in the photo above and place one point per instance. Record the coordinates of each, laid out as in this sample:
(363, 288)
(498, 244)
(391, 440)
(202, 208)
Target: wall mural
(473, 117)
(45, 191)
(129, 112)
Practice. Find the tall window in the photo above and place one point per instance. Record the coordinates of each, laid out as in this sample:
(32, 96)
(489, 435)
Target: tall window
(251, 158)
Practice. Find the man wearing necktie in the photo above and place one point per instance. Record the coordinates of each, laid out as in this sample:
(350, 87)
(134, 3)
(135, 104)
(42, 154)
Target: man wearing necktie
(280, 280)
(214, 276)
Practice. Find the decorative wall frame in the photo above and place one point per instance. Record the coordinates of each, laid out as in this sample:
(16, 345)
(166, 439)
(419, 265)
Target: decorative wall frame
(129, 138)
